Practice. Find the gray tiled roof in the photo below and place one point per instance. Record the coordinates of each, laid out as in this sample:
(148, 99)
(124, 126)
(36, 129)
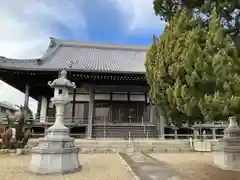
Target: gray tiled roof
(82, 56)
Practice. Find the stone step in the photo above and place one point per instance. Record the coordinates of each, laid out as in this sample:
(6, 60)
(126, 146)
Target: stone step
(123, 132)
(115, 145)
(126, 130)
(117, 132)
(123, 135)
(126, 127)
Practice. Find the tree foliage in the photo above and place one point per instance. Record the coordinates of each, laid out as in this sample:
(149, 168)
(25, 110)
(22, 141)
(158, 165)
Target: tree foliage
(162, 65)
(228, 11)
(193, 71)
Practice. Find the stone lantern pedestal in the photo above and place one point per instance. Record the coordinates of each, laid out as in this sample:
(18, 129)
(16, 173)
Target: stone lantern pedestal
(56, 153)
(228, 154)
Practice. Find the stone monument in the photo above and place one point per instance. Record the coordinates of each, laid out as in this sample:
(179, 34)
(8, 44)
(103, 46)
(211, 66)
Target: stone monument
(56, 153)
(227, 155)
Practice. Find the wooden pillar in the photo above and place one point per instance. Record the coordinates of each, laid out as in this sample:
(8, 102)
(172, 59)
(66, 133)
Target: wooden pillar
(90, 112)
(195, 134)
(73, 104)
(43, 110)
(128, 96)
(214, 133)
(111, 107)
(39, 106)
(175, 133)
(145, 99)
(152, 113)
(26, 101)
(145, 103)
(162, 123)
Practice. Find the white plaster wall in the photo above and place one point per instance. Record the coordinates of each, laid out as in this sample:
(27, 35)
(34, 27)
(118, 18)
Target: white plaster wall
(102, 96)
(82, 90)
(137, 97)
(43, 110)
(119, 97)
(79, 97)
(115, 97)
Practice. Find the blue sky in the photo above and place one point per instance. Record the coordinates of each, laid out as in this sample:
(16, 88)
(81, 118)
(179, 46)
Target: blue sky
(106, 22)
(28, 24)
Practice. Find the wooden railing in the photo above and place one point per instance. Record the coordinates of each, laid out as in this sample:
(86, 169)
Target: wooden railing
(106, 125)
(187, 136)
(50, 120)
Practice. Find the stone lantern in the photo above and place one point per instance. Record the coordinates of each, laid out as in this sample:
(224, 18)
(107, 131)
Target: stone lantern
(56, 153)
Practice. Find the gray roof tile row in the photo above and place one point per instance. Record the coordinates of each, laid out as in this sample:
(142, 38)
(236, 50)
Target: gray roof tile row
(83, 56)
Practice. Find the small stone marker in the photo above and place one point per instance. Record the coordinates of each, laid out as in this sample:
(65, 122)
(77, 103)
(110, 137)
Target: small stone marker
(228, 155)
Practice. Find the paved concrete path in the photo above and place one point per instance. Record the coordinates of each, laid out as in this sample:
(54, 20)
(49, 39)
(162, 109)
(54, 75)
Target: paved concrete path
(148, 168)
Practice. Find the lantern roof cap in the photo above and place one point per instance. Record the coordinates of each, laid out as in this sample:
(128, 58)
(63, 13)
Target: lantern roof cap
(62, 81)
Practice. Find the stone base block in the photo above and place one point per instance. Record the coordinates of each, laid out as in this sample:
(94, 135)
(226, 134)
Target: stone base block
(227, 160)
(202, 146)
(59, 161)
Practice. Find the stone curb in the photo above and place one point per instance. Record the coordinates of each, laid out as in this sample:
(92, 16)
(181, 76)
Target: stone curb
(14, 151)
(127, 166)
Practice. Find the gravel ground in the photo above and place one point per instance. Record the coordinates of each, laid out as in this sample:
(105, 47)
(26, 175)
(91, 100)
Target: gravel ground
(95, 167)
(196, 166)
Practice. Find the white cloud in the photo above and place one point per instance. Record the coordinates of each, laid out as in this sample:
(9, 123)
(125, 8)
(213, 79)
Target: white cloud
(140, 15)
(26, 26)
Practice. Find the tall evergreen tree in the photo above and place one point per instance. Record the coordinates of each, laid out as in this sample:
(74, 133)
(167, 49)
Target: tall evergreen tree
(193, 72)
(164, 65)
(221, 57)
(212, 66)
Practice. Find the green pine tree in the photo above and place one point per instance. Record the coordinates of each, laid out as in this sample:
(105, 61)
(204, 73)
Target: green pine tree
(212, 66)
(221, 57)
(164, 65)
(194, 72)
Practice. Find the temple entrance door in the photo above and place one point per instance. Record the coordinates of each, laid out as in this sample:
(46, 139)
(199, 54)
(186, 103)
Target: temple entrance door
(124, 112)
(118, 112)
(133, 113)
(101, 113)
